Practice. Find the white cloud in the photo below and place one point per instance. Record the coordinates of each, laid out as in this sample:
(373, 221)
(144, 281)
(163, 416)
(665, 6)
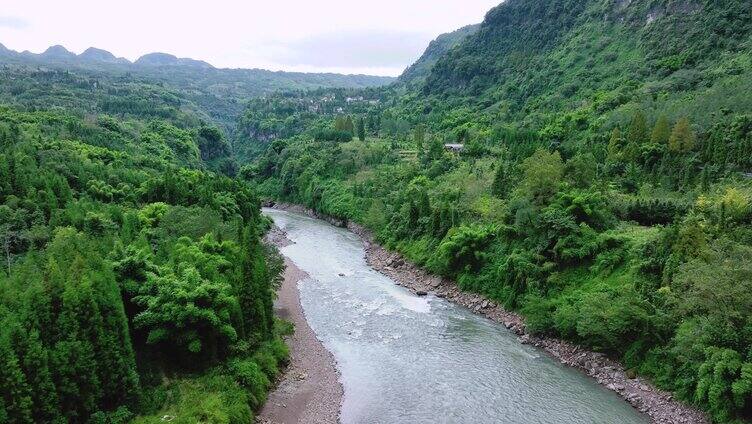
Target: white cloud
(13, 22)
(323, 35)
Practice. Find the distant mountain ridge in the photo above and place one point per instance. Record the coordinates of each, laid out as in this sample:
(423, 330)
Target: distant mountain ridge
(221, 93)
(165, 59)
(59, 55)
(94, 54)
(97, 55)
(58, 52)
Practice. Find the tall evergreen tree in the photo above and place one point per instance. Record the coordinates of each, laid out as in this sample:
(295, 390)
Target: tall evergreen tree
(35, 364)
(615, 145)
(682, 138)
(499, 187)
(14, 388)
(638, 129)
(361, 128)
(339, 123)
(661, 131)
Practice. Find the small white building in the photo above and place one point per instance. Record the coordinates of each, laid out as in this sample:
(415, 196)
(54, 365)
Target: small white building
(454, 147)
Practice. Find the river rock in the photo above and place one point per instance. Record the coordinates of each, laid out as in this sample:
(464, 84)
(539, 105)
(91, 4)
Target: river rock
(659, 405)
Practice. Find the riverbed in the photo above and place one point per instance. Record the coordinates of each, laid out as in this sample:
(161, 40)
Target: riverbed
(409, 359)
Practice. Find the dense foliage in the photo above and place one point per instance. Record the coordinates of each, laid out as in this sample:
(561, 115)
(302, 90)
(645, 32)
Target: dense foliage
(602, 187)
(133, 279)
(221, 93)
(418, 71)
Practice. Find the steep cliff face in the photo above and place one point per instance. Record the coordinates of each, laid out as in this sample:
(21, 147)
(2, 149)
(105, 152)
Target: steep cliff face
(533, 55)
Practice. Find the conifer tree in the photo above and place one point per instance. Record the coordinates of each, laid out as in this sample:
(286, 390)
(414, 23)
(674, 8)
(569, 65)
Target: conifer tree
(682, 138)
(614, 145)
(661, 131)
(705, 180)
(499, 186)
(36, 368)
(419, 136)
(339, 123)
(361, 128)
(638, 130)
(632, 151)
(15, 393)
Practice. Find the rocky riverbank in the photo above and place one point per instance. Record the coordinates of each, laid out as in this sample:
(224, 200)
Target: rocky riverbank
(309, 390)
(659, 405)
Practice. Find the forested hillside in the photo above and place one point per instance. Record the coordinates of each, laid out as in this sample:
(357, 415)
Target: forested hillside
(134, 285)
(602, 186)
(419, 70)
(221, 93)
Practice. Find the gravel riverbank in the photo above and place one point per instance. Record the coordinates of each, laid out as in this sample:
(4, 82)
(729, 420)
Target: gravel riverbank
(659, 405)
(309, 391)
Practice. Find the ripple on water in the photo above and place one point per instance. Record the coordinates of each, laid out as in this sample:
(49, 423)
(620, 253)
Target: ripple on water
(409, 359)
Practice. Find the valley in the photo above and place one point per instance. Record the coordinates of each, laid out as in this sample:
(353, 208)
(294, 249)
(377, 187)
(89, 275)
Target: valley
(552, 216)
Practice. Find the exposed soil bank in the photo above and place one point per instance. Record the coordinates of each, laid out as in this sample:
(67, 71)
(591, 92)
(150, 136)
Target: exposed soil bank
(659, 405)
(309, 391)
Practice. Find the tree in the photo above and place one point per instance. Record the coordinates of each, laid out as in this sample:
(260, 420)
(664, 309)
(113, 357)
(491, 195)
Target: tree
(609, 319)
(614, 145)
(188, 314)
(638, 130)
(435, 148)
(36, 368)
(717, 283)
(361, 129)
(419, 136)
(463, 250)
(253, 288)
(542, 173)
(724, 382)
(348, 125)
(339, 123)
(581, 170)
(682, 138)
(632, 152)
(500, 185)
(15, 395)
(661, 131)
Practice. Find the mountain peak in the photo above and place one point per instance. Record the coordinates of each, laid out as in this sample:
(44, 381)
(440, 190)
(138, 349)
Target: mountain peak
(165, 59)
(157, 59)
(58, 52)
(93, 54)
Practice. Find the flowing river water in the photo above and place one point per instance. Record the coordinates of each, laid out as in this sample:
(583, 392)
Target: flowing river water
(409, 359)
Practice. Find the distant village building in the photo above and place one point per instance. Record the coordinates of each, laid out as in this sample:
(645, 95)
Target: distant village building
(454, 147)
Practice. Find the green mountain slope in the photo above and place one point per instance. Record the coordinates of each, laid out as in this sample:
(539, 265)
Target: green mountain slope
(419, 70)
(602, 189)
(221, 93)
(531, 60)
(133, 282)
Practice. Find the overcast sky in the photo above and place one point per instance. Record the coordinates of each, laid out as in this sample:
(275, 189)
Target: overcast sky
(379, 37)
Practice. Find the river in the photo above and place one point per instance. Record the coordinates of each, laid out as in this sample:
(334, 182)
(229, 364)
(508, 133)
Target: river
(409, 359)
